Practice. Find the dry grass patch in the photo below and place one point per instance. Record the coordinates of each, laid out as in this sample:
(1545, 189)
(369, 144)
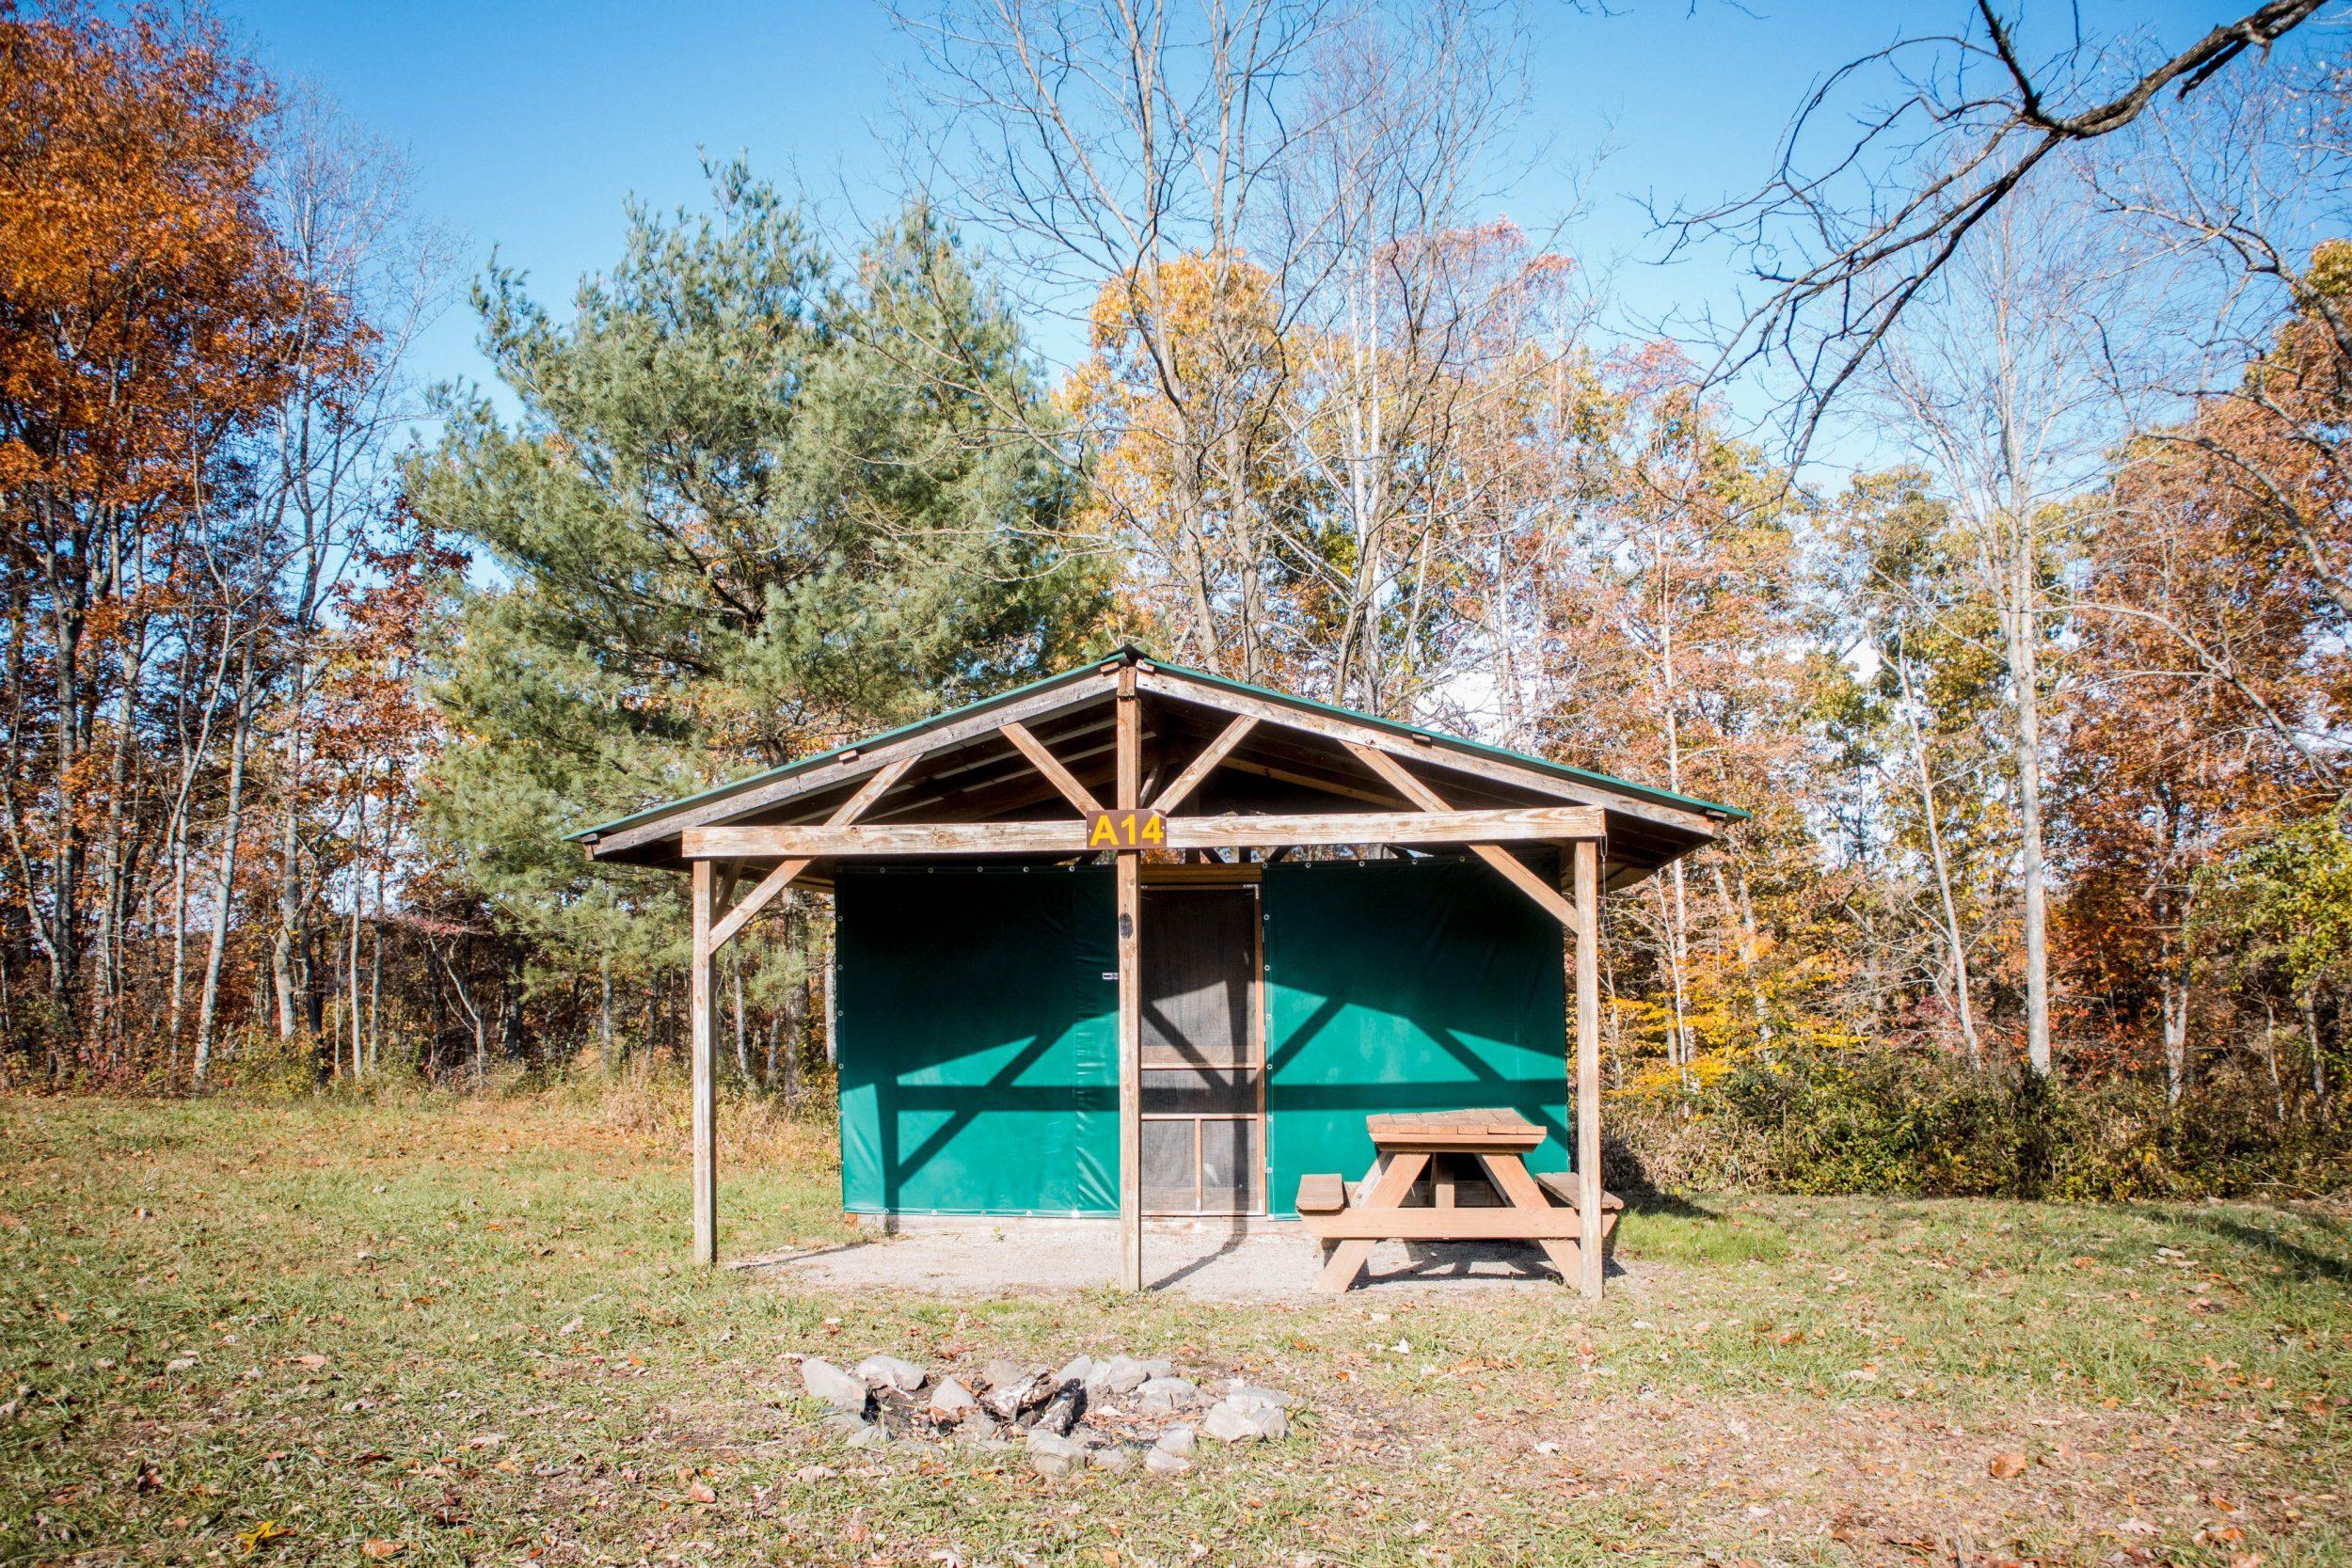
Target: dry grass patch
(466, 1332)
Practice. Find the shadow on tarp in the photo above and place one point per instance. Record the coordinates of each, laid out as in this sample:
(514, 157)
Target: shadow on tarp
(976, 1019)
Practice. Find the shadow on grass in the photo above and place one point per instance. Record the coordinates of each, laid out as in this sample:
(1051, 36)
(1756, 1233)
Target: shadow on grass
(2306, 1263)
(1668, 1203)
(1671, 1227)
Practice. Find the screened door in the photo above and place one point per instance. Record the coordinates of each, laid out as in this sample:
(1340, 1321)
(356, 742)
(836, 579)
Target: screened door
(1204, 1104)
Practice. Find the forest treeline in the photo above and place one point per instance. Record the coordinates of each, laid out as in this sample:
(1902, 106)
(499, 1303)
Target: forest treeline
(2032, 670)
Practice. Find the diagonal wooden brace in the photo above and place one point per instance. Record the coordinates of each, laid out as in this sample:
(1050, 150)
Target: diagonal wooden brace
(1409, 785)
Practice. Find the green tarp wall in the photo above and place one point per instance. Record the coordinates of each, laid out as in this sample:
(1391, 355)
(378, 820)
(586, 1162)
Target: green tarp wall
(978, 1035)
(978, 1041)
(1404, 986)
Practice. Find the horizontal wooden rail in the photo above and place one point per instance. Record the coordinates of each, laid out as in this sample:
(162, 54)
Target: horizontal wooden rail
(1528, 824)
(1503, 1222)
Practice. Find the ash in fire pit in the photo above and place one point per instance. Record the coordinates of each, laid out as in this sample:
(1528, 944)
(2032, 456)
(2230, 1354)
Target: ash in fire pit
(1106, 1414)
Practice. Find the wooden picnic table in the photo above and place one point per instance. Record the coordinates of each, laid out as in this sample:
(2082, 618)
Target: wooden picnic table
(1408, 1143)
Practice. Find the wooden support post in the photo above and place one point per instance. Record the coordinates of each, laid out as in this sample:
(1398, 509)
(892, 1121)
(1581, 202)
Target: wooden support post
(1588, 1193)
(1129, 874)
(703, 1003)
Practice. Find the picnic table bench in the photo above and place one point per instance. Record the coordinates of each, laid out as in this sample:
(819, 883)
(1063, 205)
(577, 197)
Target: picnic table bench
(1413, 1143)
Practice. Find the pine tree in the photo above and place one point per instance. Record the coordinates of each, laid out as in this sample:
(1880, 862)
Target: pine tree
(754, 504)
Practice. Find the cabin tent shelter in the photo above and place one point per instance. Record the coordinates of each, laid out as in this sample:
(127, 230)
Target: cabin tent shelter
(1136, 940)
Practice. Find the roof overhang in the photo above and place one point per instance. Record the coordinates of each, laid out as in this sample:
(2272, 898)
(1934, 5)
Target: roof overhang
(1281, 757)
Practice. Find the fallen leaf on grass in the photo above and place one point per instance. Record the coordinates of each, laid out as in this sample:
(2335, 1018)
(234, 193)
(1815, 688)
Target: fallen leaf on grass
(313, 1361)
(262, 1534)
(701, 1493)
(377, 1547)
(2007, 1466)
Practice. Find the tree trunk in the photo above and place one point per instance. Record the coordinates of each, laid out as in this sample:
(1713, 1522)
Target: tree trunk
(359, 887)
(179, 932)
(2025, 673)
(375, 973)
(831, 955)
(742, 1046)
(2174, 988)
(1740, 921)
(282, 944)
(239, 733)
(604, 1009)
(2310, 1000)
(793, 1027)
(1953, 942)
(511, 1003)
(2270, 1058)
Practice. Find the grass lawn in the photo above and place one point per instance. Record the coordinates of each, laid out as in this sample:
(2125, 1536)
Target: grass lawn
(449, 1332)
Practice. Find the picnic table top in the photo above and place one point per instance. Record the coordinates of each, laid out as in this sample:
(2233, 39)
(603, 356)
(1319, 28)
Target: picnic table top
(1498, 1129)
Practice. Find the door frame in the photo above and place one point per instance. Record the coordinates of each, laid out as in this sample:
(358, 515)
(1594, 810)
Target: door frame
(1185, 878)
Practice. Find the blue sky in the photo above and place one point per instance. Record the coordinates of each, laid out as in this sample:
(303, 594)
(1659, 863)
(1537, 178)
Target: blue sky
(527, 126)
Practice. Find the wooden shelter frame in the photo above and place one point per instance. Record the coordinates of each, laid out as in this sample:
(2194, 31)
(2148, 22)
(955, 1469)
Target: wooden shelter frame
(1396, 805)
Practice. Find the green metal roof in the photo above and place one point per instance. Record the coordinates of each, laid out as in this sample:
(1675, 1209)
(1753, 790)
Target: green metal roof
(1133, 655)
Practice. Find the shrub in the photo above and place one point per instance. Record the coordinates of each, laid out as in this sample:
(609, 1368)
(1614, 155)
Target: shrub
(1881, 1121)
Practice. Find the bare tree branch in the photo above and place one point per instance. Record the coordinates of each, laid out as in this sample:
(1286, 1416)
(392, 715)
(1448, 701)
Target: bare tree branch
(1883, 220)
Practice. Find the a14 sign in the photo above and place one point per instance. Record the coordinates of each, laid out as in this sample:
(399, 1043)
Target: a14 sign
(1126, 831)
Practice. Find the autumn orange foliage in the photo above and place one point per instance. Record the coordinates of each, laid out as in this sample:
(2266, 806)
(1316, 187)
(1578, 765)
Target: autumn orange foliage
(149, 320)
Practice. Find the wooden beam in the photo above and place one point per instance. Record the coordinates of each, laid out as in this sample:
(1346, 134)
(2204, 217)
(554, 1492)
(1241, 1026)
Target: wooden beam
(1517, 824)
(872, 790)
(891, 840)
(777, 880)
(1512, 868)
(1587, 876)
(1315, 782)
(1348, 732)
(985, 773)
(1129, 874)
(1200, 766)
(1050, 765)
(1554, 1230)
(754, 901)
(703, 1004)
(1199, 874)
